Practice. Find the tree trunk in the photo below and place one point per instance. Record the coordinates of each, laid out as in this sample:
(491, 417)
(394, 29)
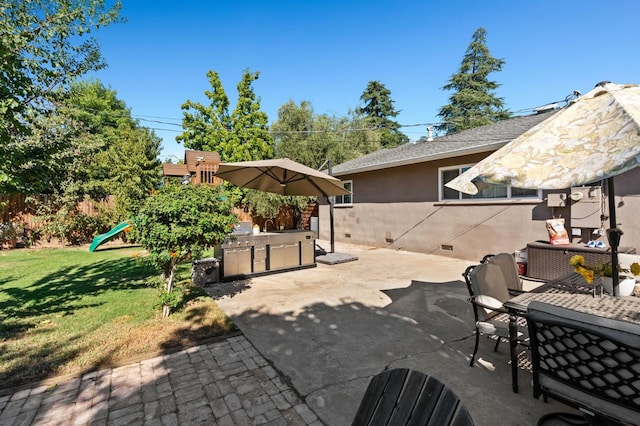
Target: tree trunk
(166, 310)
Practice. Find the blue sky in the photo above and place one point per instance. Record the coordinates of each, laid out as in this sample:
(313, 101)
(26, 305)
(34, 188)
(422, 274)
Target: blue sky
(327, 51)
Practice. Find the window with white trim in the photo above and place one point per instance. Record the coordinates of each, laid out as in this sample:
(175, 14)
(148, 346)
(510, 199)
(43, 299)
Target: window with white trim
(347, 199)
(491, 192)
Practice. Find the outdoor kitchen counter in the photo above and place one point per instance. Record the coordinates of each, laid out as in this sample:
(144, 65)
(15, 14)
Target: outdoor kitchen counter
(266, 252)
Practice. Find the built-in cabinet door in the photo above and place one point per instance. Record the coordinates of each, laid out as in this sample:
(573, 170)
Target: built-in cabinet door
(237, 261)
(276, 257)
(292, 255)
(307, 252)
(259, 259)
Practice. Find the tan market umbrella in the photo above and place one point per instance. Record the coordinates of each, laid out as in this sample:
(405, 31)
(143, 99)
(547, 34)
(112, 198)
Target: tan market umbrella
(280, 176)
(596, 137)
(285, 177)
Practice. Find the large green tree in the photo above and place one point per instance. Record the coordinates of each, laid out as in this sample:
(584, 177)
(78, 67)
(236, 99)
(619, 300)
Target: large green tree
(126, 165)
(135, 170)
(49, 159)
(312, 139)
(294, 135)
(379, 110)
(238, 136)
(44, 45)
(473, 102)
(88, 147)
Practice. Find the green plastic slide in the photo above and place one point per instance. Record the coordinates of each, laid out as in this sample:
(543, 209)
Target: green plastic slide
(108, 236)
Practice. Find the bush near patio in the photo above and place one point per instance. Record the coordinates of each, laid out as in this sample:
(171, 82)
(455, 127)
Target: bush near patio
(66, 311)
(176, 224)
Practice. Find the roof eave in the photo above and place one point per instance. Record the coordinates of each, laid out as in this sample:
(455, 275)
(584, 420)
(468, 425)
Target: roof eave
(423, 159)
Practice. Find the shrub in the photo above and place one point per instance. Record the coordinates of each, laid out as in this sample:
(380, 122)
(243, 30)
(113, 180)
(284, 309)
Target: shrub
(177, 223)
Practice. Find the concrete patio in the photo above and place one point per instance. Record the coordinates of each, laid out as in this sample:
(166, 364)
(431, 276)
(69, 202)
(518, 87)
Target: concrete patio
(329, 329)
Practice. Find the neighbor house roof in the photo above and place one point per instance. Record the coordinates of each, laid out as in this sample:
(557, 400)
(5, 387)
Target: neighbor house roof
(174, 169)
(191, 160)
(472, 141)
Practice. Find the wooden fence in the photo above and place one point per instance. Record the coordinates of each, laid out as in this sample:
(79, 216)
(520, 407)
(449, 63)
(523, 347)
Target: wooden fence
(16, 208)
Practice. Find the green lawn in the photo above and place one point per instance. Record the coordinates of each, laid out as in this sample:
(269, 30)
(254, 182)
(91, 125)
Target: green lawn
(67, 311)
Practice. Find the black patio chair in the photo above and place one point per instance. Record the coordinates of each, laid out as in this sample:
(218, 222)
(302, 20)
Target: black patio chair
(487, 293)
(587, 362)
(407, 397)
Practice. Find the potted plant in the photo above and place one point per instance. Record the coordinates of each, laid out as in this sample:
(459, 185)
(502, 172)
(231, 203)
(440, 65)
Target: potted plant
(604, 271)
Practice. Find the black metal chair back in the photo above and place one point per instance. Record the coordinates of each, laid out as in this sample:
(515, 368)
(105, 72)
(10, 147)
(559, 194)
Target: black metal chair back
(586, 361)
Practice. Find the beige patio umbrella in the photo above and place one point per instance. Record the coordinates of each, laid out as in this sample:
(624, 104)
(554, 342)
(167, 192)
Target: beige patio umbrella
(280, 176)
(285, 177)
(596, 137)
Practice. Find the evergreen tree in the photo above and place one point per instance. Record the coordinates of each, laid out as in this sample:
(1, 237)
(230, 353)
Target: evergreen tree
(473, 102)
(250, 138)
(240, 136)
(378, 108)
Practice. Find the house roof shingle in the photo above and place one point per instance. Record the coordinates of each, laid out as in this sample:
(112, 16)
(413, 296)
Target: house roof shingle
(174, 169)
(479, 139)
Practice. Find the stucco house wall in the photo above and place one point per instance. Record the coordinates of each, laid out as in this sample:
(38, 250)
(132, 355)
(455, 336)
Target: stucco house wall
(398, 208)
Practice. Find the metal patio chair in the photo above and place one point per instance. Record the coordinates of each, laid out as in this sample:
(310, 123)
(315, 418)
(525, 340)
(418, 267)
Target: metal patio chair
(407, 397)
(488, 291)
(587, 362)
(509, 268)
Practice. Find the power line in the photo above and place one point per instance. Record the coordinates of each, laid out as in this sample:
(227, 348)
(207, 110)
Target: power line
(163, 130)
(567, 100)
(348, 129)
(159, 120)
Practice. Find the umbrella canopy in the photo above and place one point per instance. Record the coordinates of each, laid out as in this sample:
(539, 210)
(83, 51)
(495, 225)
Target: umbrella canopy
(280, 176)
(596, 137)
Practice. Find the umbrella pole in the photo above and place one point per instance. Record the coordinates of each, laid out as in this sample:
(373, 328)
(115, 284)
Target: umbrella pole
(332, 238)
(333, 243)
(613, 235)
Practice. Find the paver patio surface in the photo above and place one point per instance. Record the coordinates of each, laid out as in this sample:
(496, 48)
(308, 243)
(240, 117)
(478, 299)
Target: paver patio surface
(226, 383)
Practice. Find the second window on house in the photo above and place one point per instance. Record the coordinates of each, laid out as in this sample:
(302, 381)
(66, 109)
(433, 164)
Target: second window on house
(345, 200)
(491, 192)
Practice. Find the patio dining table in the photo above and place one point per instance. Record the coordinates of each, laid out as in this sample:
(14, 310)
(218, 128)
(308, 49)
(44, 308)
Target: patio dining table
(572, 292)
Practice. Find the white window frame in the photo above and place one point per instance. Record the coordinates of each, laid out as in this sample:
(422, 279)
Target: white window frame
(339, 200)
(461, 168)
